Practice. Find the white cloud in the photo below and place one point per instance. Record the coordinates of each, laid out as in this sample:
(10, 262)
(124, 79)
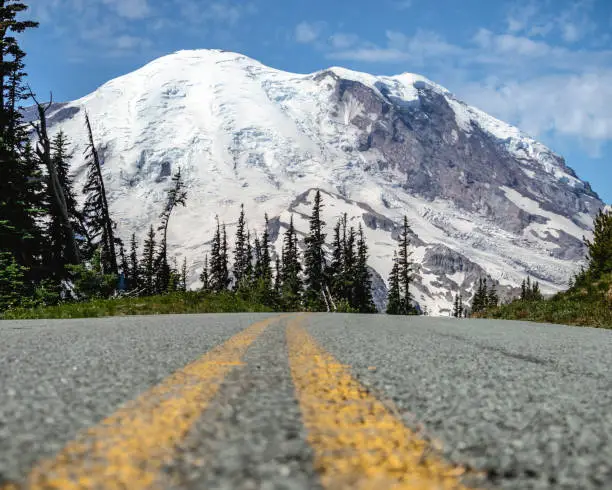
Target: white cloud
(574, 105)
(307, 32)
(343, 41)
(130, 9)
(226, 12)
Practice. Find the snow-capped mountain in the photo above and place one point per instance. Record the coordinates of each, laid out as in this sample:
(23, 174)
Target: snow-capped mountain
(482, 197)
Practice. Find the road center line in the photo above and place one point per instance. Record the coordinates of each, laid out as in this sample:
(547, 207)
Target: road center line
(358, 443)
(129, 448)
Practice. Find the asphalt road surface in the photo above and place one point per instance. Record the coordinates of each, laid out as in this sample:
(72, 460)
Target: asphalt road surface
(298, 401)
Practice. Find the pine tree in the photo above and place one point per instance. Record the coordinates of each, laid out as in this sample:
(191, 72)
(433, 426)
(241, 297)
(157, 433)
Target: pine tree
(248, 267)
(147, 268)
(405, 269)
(265, 271)
(204, 276)
(349, 266)
(394, 298)
(124, 269)
(493, 299)
(240, 252)
(600, 247)
(177, 196)
(219, 273)
(456, 306)
(134, 270)
(12, 282)
(335, 269)
(96, 212)
(314, 259)
(62, 240)
(461, 308)
(183, 284)
(364, 303)
(20, 178)
(291, 270)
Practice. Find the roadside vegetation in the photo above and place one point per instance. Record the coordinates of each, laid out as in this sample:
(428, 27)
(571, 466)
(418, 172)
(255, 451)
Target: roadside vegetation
(587, 302)
(173, 303)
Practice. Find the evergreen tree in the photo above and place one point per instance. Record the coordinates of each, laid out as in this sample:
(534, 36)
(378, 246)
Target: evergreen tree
(405, 269)
(394, 297)
(265, 271)
(20, 178)
(147, 268)
(62, 242)
(240, 251)
(493, 299)
(219, 273)
(336, 266)
(183, 283)
(96, 212)
(478, 301)
(461, 308)
(124, 269)
(291, 270)
(133, 278)
(204, 276)
(248, 267)
(349, 266)
(456, 306)
(177, 196)
(600, 247)
(364, 303)
(314, 259)
(12, 282)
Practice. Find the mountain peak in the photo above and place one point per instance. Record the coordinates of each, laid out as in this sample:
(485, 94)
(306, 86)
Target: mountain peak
(483, 199)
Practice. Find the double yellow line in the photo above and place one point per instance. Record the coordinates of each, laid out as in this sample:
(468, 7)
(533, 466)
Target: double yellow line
(357, 442)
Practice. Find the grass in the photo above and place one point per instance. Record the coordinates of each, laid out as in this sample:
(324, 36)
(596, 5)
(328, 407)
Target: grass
(189, 302)
(588, 305)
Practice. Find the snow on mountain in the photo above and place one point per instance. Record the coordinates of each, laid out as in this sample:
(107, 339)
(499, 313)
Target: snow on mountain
(482, 197)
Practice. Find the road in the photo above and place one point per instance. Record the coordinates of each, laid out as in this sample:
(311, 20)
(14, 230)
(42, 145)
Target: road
(298, 401)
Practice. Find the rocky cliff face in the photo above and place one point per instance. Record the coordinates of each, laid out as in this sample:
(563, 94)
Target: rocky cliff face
(483, 199)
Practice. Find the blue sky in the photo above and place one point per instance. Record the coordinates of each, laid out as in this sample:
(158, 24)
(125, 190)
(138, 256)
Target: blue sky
(545, 66)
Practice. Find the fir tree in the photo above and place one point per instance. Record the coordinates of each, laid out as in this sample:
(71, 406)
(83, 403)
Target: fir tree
(62, 240)
(336, 266)
(240, 252)
(219, 274)
(493, 299)
(405, 269)
(133, 279)
(364, 303)
(456, 306)
(96, 212)
(349, 266)
(600, 247)
(204, 276)
(124, 268)
(20, 178)
(183, 283)
(314, 259)
(177, 196)
(12, 282)
(147, 268)
(394, 297)
(248, 266)
(291, 270)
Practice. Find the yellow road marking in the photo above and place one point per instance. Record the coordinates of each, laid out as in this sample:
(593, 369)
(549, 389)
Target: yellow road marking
(128, 449)
(358, 443)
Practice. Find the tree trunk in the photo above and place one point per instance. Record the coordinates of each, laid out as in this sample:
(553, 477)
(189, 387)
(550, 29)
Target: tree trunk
(108, 226)
(43, 151)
